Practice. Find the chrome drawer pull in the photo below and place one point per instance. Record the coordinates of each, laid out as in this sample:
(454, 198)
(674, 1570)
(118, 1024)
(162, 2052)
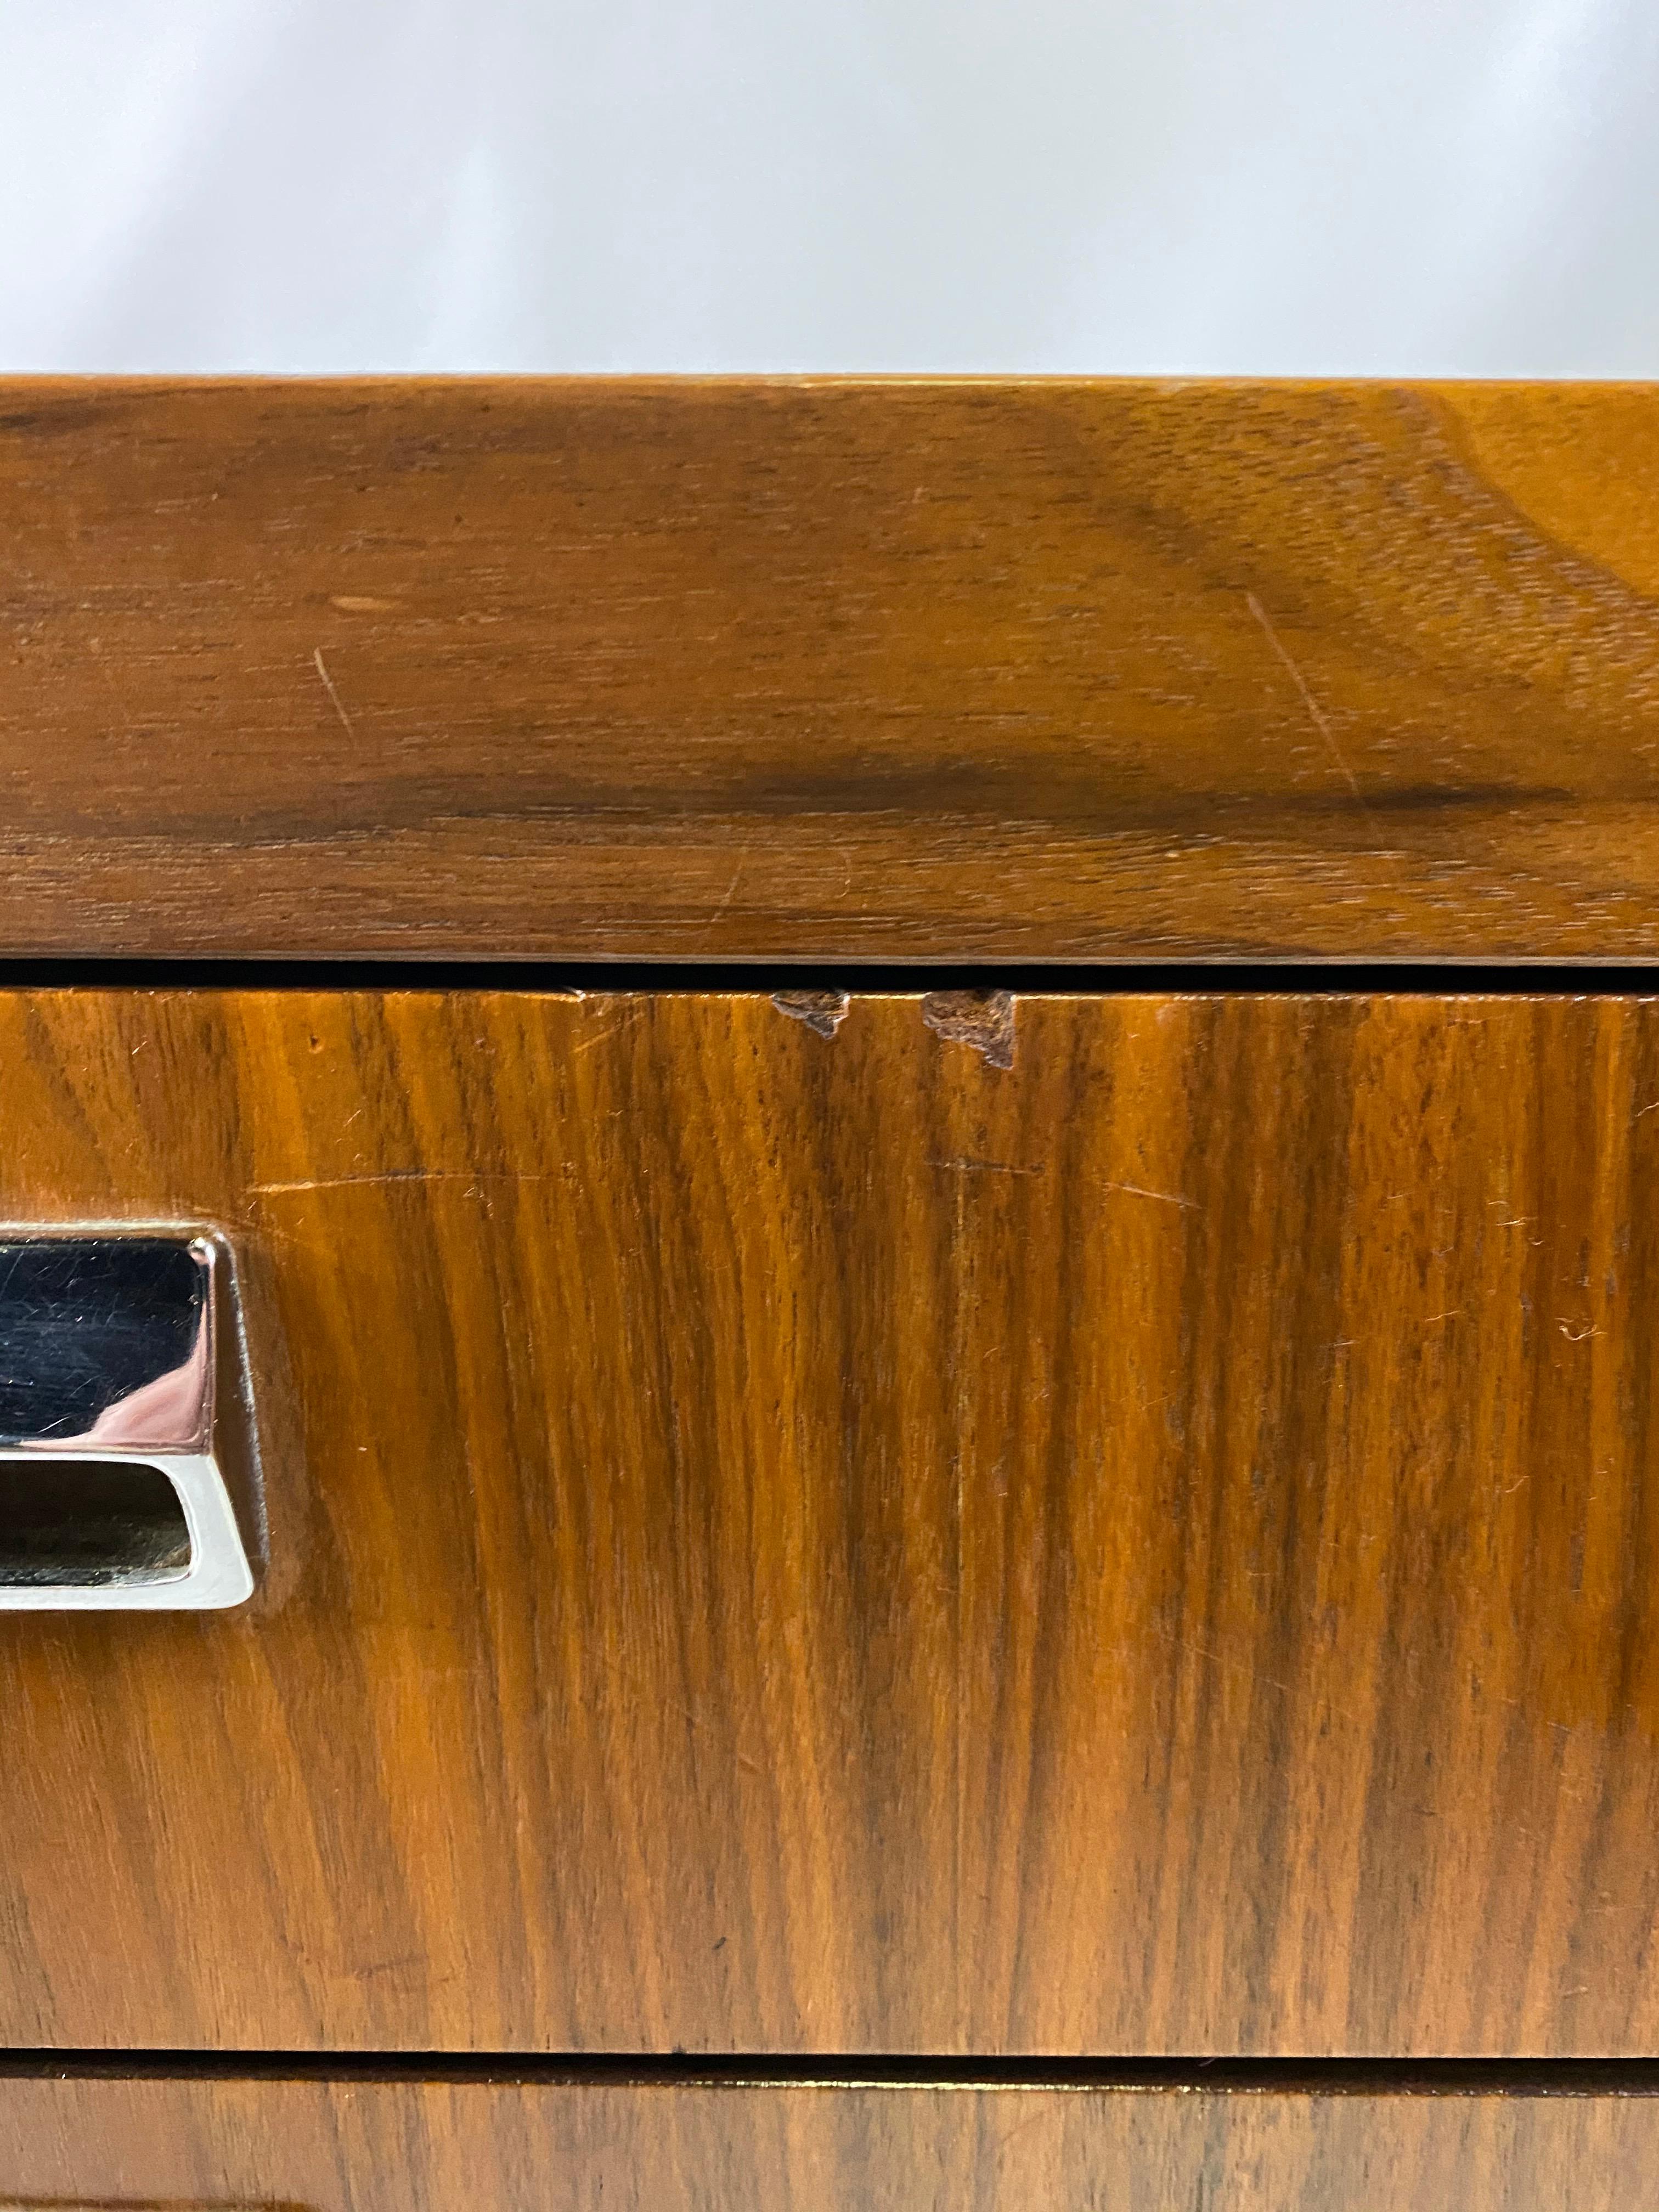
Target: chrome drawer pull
(127, 1463)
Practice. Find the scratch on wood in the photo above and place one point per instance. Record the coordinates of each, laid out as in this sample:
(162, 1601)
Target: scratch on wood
(328, 686)
(726, 897)
(394, 1175)
(632, 1015)
(985, 1167)
(1165, 1197)
(983, 1019)
(1315, 713)
(1019, 2127)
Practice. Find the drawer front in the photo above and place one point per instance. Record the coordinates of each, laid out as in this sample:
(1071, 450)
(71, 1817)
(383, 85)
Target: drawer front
(829, 670)
(789, 1542)
(279, 2146)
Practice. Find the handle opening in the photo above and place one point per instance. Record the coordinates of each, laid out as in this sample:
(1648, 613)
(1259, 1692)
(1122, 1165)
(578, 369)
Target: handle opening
(89, 1524)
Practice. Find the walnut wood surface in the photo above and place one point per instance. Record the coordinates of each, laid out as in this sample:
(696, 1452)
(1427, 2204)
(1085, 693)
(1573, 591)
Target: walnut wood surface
(919, 671)
(796, 1543)
(276, 2145)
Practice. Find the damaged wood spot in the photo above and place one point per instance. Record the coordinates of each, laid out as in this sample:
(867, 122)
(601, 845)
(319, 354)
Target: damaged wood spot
(823, 1012)
(984, 1020)
(985, 1167)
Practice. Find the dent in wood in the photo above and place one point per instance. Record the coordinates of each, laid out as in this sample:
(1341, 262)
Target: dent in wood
(984, 1020)
(823, 1012)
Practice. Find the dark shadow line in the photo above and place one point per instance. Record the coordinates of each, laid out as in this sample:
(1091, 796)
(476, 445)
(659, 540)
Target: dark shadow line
(1379, 2076)
(1272, 978)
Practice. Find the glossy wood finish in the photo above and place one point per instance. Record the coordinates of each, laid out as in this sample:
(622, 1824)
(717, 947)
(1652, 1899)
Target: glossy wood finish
(919, 670)
(274, 2146)
(793, 1543)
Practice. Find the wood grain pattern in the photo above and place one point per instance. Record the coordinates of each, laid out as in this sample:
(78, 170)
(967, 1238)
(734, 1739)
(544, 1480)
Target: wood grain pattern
(403, 2146)
(786, 1543)
(905, 671)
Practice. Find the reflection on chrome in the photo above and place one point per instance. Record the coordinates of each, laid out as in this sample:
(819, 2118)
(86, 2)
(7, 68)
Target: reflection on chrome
(126, 1449)
(173, 1413)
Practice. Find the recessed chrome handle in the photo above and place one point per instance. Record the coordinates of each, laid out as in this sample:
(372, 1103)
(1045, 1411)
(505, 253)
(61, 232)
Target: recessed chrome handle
(127, 1464)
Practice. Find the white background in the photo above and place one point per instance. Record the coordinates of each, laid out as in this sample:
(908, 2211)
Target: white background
(1402, 186)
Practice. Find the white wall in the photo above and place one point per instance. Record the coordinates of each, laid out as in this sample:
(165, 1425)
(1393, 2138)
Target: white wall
(1404, 187)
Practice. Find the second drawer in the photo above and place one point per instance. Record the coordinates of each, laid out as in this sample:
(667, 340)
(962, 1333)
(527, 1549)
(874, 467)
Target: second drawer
(225, 2144)
(787, 1541)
